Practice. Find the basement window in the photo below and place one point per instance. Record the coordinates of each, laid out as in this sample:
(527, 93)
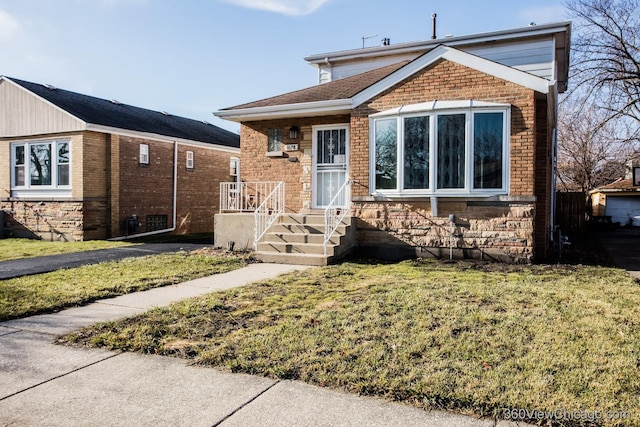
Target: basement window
(157, 222)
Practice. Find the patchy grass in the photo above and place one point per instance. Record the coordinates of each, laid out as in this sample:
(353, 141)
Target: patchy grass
(48, 292)
(475, 338)
(27, 248)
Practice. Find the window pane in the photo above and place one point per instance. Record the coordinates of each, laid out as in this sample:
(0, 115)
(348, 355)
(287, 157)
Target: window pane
(19, 171)
(63, 152)
(386, 154)
(19, 154)
(451, 151)
(331, 146)
(487, 150)
(40, 168)
(416, 152)
(275, 140)
(63, 174)
(19, 165)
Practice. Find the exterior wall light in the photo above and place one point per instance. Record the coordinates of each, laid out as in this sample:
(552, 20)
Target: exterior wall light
(293, 132)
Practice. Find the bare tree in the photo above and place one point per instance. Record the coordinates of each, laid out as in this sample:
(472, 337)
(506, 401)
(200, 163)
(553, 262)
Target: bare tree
(591, 150)
(606, 55)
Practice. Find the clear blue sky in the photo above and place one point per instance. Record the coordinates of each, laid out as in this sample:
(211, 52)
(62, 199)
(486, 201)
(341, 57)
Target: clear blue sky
(193, 57)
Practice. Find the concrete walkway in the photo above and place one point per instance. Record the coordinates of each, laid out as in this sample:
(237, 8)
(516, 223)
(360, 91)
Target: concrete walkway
(46, 384)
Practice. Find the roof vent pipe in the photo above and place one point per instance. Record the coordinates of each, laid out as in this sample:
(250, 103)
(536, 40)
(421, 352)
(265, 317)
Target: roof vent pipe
(433, 25)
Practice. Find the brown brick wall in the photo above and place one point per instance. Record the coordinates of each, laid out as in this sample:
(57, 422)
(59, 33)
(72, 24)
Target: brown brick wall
(148, 189)
(256, 166)
(501, 229)
(542, 177)
(199, 188)
(449, 81)
(109, 185)
(145, 189)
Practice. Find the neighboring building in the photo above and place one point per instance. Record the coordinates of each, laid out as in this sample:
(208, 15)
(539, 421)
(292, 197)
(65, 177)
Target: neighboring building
(619, 202)
(75, 167)
(439, 148)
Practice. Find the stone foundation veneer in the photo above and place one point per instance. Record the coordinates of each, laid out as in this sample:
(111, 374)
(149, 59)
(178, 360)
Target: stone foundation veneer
(51, 220)
(398, 229)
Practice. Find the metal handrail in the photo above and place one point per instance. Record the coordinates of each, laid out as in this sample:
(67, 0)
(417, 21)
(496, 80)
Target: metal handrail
(244, 196)
(333, 214)
(271, 208)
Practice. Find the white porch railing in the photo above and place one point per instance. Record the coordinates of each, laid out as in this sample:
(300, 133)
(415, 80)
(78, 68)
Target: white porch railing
(271, 208)
(335, 212)
(244, 196)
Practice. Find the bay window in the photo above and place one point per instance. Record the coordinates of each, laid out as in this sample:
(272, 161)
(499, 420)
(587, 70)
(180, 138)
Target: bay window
(452, 151)
(42, 165)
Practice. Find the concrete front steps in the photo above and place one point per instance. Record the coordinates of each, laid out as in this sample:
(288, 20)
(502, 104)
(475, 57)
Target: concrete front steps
(298, 239)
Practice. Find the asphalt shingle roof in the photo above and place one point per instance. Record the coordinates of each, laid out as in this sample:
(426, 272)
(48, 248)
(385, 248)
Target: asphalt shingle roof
(622, 184)
(337, 89)
(104, 112)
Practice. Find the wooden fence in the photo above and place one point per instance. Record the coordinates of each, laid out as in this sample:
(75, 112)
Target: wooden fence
(571, 210)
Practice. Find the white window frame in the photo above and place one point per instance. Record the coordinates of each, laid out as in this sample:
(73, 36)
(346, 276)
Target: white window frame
(190, 159)
(431, 110)
(28, 189)
(234, 167)
(144, 154)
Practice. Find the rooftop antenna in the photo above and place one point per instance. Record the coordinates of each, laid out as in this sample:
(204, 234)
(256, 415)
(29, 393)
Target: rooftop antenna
(367, 37)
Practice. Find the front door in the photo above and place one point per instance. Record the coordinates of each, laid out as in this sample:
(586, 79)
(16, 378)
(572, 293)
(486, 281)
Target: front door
(331, 149)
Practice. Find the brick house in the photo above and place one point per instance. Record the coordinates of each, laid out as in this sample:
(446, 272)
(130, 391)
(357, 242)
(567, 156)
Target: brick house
(75, 167)
(439, 148)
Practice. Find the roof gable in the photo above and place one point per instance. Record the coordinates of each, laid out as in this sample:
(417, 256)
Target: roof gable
(116, 116)
(323, 99)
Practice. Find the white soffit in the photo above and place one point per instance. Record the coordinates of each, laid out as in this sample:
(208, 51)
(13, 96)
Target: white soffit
(440, 105)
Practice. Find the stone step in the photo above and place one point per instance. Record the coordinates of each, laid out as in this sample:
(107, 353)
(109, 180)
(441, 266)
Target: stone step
(315, 238)
(303, 228)
(299, 248)
(303, 219)
(294, 258)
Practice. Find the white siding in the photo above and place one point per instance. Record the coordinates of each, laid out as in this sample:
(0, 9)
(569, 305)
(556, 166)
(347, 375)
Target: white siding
(535, 57)
(23, 113)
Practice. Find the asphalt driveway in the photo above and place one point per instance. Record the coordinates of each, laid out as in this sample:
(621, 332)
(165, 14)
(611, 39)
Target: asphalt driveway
(623, 246)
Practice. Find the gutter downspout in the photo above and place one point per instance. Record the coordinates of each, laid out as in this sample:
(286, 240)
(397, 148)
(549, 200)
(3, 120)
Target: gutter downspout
(553, 104)
(175, 203)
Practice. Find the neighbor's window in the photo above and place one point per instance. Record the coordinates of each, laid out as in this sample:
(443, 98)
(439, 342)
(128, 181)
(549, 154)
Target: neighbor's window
(63, 163)
(144, 154)
(274, 141)
(441, 152)
(190, 159)
(42, 165)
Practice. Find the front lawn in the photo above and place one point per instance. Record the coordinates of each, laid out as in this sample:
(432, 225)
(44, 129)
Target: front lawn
(475, 338)
(53, 291)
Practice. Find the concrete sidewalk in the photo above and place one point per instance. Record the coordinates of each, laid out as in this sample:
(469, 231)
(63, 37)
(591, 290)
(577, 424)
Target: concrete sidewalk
(46, 384)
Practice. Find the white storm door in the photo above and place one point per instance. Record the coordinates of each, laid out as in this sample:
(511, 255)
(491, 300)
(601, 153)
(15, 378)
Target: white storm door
(330, 160)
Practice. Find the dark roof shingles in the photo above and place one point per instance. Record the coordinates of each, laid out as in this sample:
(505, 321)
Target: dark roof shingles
(103, 112)
(337, 89)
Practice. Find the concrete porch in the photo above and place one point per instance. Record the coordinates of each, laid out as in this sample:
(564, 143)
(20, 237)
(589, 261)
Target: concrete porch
(291, 239)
